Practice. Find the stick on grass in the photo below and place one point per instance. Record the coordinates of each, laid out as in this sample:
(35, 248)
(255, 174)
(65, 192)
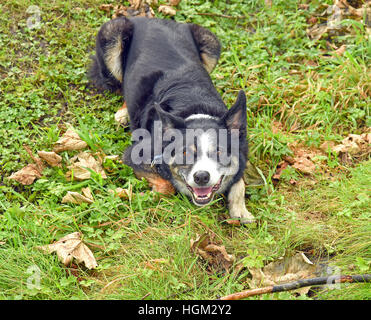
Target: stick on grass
(298, 284)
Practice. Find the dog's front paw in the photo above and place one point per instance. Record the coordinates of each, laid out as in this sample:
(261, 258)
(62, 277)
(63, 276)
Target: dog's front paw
(122, 115)
(236, 204)
(242, 215)
(247, 217)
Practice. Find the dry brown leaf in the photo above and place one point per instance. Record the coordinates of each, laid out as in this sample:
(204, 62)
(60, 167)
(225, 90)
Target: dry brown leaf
(37, 160)
(334, 14)
(327, 145)
(69, 141)
(167, 10)
(69, 247)
(354, 143)
(174, 2)
(27, 175)
(138, 8)
(340, 51)
(77, 198)
(303, 6)
(304, 165)
(78, 169)
(87, 193)
(217, 257)
(282, 271)
(122, 193)
(106, 7)
(136, 4)
(280, 167)
(302, 159)
(51, 158)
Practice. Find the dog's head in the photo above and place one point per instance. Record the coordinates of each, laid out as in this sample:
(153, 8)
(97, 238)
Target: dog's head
(204, 155)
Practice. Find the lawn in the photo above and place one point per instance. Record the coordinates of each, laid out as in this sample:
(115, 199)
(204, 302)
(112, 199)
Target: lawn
(301, 92)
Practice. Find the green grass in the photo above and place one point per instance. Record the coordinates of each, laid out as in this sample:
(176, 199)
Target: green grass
(44, 87)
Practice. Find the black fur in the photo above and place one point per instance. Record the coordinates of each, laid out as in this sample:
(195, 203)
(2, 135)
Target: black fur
(107, 36)
(162, 65)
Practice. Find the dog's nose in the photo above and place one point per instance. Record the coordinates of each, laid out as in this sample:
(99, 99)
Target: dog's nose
(201, 177)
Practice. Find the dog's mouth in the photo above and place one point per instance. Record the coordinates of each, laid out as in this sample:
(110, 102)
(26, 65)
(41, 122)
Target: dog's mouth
(203, 195)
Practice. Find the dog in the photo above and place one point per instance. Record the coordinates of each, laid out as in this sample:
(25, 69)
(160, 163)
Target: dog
(161, 67)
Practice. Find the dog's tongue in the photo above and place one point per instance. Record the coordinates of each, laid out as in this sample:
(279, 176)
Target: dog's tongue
(202, 192)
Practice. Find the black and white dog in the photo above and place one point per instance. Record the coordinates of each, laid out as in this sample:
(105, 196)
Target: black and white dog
(162, 68)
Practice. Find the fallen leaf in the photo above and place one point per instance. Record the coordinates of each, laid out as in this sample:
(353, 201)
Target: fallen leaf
(354, 147)
(106, 7)
(303, 158)
(354, 143)
(51, 158)
(27, 175)
(77, 198)
(69, 247)
(167, 10)
(217, 257)
(69, 141)
(87, 193)
(327, 145)
(303, 6)
(330, 20)
(174, 2)
(136, 4)
(37, 160)
(280, 167)
(340, 51)
(282, 271)
(122, 193)
(78, 169)
(304, 165)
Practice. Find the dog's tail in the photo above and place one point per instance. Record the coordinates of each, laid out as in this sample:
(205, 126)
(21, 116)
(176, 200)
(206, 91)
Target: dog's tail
(106, 70)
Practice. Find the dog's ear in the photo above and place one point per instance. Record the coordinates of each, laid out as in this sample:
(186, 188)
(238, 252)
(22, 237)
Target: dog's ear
(235, 118)
(168, 120)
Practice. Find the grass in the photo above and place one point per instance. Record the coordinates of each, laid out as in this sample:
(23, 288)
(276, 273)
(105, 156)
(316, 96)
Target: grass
(143, 245)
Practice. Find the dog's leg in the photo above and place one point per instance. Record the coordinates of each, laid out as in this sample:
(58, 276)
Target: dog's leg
(208, 46)
(236, 203)
(106, 71)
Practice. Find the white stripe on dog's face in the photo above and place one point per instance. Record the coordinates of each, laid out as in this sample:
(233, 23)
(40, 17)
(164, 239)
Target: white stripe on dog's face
(206, 145)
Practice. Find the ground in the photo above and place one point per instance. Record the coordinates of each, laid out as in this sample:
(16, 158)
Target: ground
(299, 95)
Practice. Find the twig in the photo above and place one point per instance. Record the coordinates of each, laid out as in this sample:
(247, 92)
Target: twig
(146, 295)
(298, 284)
(220, 15)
